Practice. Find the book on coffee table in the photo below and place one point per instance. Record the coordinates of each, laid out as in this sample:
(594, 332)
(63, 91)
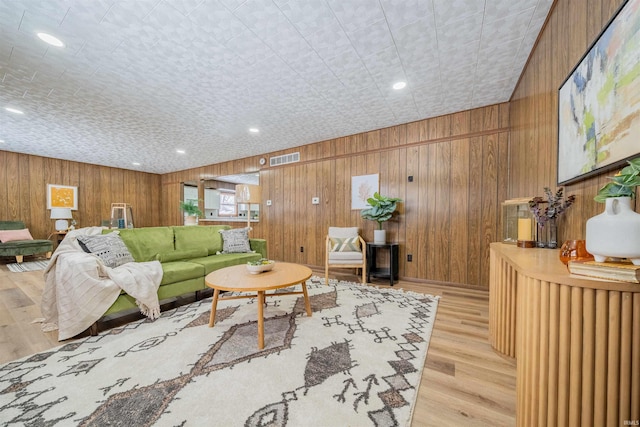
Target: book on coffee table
(623, 271)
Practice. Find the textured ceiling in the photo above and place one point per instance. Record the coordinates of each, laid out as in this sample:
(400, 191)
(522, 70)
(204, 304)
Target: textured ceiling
(138, 80)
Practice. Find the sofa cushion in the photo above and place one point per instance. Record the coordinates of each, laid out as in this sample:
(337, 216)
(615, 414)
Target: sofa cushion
(177, 271)
(13, 235)
(207, 236)
(235, 241)
(108, 247)
(12, 225)
(25, 247)
(183, 254)
(145, 243)
(219, 261)
(28, 243)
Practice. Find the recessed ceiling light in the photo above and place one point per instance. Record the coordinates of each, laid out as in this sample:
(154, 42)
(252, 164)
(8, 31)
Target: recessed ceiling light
(399, 85)
(254, 130)
(13, 110)
(180, 151)
(48, 38)
(136, 164)
(1, 141)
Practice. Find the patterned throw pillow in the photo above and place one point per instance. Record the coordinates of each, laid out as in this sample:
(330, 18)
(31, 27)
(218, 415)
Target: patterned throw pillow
(235, 241)
(349, 244)
(108, 247)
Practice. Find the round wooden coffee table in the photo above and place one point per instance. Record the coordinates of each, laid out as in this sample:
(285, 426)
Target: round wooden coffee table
(238, 279)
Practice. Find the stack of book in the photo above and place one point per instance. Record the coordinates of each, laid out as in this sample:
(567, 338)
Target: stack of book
(623, 271)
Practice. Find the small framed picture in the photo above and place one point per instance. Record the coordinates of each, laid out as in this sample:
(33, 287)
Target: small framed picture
(362, 188)
(62, 196)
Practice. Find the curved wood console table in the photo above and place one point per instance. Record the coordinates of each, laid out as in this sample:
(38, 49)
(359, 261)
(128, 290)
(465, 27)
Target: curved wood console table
(576, 341)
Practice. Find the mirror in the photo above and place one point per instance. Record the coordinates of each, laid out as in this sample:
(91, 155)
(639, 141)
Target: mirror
(220, 198)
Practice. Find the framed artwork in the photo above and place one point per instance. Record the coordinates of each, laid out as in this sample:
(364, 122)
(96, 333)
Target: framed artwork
(599, 102)
(62, 196)
(363, 187)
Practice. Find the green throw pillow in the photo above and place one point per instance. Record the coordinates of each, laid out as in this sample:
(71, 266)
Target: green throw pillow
(179, 255)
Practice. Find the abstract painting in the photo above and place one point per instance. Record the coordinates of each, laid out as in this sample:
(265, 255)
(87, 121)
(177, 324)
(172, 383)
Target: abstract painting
(599, 103)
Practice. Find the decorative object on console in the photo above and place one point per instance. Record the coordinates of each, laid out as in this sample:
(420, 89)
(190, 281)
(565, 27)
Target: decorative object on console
(514, 212)
(61, 215)
(574, 250)
(191, 212)
(381, 210)
(615, 232)
(546, 219)
(623, 271)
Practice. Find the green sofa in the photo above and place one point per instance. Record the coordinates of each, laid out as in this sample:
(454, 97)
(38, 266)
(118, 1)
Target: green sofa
(187, 255)
(20, 248)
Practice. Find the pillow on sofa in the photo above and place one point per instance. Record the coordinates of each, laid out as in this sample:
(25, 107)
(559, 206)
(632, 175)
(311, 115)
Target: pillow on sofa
(108, 247)
(13, 235)
(181, 254)
(235, 241)
(206, 236)
(348, 244)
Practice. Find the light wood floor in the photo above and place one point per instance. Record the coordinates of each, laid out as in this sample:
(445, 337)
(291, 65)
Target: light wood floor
(465, 382)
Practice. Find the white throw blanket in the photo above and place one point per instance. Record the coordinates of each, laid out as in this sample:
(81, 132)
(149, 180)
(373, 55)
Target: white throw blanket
(79, 288)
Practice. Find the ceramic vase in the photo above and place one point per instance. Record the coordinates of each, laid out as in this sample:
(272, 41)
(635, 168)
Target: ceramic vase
(379, 236)
(615, 233)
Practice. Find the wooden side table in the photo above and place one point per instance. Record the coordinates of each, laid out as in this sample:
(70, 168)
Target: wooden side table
(390, 272)
(58, 236)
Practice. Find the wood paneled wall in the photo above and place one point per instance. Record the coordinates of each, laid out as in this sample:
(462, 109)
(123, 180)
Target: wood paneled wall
(451, 210)
(570, 29)
(23, 186)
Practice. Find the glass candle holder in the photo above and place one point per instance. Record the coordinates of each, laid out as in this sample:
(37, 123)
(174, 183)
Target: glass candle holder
(574, 250)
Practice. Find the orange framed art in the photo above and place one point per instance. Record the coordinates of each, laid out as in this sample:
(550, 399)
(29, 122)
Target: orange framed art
(62, 196)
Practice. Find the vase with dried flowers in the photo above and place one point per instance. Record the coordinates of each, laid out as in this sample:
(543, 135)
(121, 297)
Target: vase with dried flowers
(546, 218)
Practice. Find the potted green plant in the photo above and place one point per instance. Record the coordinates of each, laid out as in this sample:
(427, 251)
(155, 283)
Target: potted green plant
(615, 233)
(191, 211)
(381, 210)
(623, 184)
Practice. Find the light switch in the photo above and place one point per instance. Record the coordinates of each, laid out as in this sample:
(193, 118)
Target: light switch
(315, 200)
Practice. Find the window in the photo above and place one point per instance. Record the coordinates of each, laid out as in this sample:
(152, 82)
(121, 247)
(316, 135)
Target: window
(227, 203)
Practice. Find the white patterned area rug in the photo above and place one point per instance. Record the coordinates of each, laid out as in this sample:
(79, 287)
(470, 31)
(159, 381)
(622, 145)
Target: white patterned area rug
(356, 362)
(27, 266)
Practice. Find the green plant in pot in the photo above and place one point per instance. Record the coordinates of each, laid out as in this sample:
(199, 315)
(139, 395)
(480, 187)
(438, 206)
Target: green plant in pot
(191, 211)
(381, 210)
(615, 233)
(623, 184)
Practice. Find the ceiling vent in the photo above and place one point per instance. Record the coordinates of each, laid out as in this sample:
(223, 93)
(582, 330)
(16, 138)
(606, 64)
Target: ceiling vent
(284, 159)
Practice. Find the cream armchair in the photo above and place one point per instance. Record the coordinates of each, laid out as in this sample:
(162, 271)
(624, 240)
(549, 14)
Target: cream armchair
(345, 249)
